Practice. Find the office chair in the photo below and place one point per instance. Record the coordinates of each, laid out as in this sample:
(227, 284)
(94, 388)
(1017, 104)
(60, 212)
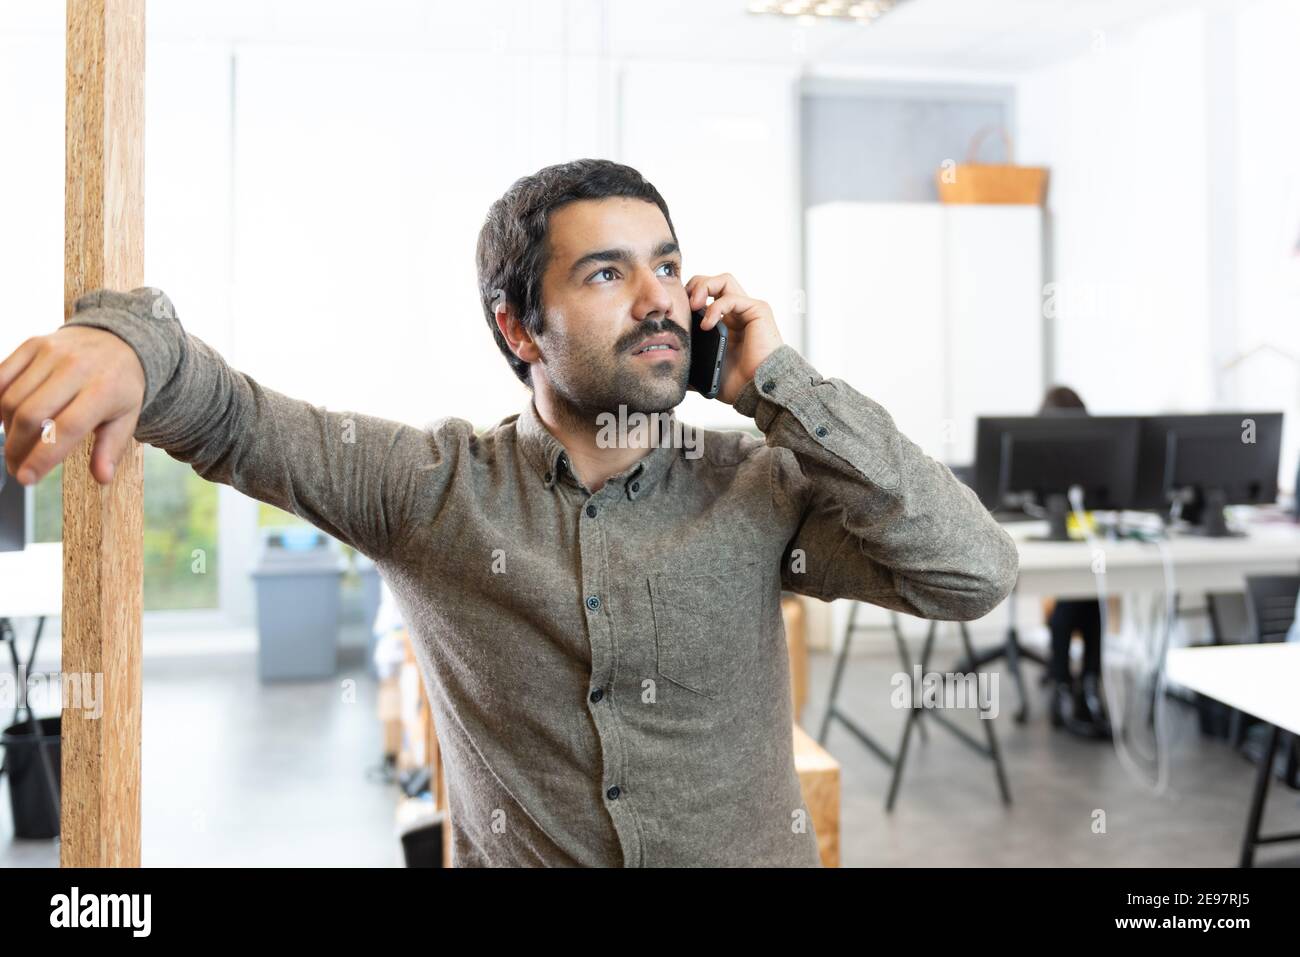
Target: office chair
(1270, 606)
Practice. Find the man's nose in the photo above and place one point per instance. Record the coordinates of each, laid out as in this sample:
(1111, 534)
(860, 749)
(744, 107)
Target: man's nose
(653, 300)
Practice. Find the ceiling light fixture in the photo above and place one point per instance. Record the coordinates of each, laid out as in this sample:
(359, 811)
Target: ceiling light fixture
(809, 11)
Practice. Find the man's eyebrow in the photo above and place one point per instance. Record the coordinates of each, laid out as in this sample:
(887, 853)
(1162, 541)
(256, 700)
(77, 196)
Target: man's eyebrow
(619, 254)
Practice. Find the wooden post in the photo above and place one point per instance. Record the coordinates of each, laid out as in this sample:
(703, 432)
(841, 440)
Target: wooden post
(103, 526)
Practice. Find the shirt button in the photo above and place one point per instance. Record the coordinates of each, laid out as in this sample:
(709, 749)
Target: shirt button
(613, 793)
(593, 602)
(822, 431)
(597, 695)
(769, 386)
(546, 477)
(591, 511)
(636, 486)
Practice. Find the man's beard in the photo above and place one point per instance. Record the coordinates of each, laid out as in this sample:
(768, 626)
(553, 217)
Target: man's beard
(588, 386)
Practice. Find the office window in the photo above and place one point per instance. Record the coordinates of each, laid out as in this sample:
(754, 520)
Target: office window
(180, 531)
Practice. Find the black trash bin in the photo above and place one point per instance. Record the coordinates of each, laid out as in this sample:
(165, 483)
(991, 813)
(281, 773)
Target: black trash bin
(35, 809)
(422, 845)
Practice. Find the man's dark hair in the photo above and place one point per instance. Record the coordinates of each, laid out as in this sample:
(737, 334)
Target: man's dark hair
(512, 245)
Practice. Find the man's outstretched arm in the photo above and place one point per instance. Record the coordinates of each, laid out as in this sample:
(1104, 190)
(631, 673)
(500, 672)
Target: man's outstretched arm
(123, 366)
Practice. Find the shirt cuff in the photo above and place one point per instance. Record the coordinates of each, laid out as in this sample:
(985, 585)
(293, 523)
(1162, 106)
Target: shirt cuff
(827, 413)
(781, 377)
(143, 318)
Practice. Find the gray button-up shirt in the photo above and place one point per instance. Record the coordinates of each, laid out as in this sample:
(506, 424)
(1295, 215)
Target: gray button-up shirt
(608, 670)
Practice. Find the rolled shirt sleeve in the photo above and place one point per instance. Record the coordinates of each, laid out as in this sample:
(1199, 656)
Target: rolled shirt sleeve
(355, 476)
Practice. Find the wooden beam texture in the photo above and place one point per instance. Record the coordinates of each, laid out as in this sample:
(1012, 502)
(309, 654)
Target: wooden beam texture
(103, 525)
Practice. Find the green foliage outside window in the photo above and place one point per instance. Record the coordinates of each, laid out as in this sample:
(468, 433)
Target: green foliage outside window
(180, 531)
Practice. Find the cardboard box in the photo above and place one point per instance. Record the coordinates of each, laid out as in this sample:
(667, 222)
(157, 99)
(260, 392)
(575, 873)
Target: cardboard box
(390, 716)
(796, 641)
(819, 778)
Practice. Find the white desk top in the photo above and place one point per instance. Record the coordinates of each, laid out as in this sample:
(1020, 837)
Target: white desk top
(1217, 564)
(1276, 540)
(1260, 679)
(31, 581)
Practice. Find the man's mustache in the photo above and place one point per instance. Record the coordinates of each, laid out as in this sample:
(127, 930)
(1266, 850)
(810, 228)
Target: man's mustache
(646, 330)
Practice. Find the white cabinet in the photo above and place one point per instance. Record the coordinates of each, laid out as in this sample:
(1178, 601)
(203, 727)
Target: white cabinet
(934, 311)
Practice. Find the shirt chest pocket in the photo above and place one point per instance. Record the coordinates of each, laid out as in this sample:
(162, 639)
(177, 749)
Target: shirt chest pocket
(707, 625)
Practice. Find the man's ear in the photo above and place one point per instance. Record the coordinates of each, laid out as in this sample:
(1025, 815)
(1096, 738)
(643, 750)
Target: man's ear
(517, 337)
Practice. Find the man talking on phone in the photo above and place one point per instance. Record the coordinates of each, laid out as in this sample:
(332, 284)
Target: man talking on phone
(597, 623)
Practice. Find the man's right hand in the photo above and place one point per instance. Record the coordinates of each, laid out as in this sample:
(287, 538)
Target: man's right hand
(57, 389)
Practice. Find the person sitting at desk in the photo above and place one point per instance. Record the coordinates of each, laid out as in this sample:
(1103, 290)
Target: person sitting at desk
(1077, 709)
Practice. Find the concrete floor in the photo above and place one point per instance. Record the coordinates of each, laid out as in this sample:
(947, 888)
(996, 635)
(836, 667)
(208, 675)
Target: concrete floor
(236, 773)
(949, 813)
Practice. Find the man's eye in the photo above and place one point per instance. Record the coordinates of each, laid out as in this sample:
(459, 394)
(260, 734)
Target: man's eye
(672, 267)
(607, 269)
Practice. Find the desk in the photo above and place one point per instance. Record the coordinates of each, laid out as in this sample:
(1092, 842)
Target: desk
(31, 581)
(1065, 570)
(1262, 680)
(31, 586)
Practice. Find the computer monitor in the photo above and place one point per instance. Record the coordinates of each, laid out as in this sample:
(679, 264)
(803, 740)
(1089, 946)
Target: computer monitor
(963, 473)
(1043, 457)
(1205, 462)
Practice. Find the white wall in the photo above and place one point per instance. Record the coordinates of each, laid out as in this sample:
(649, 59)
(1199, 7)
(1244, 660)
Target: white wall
(1267, 225)
(361, 180)
(31, 184)
(1122, 129)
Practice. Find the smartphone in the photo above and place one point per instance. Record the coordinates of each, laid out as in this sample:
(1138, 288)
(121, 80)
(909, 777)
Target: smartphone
(708, 349)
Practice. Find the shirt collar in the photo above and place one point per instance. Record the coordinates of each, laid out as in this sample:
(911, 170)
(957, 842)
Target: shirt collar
(548, 457)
